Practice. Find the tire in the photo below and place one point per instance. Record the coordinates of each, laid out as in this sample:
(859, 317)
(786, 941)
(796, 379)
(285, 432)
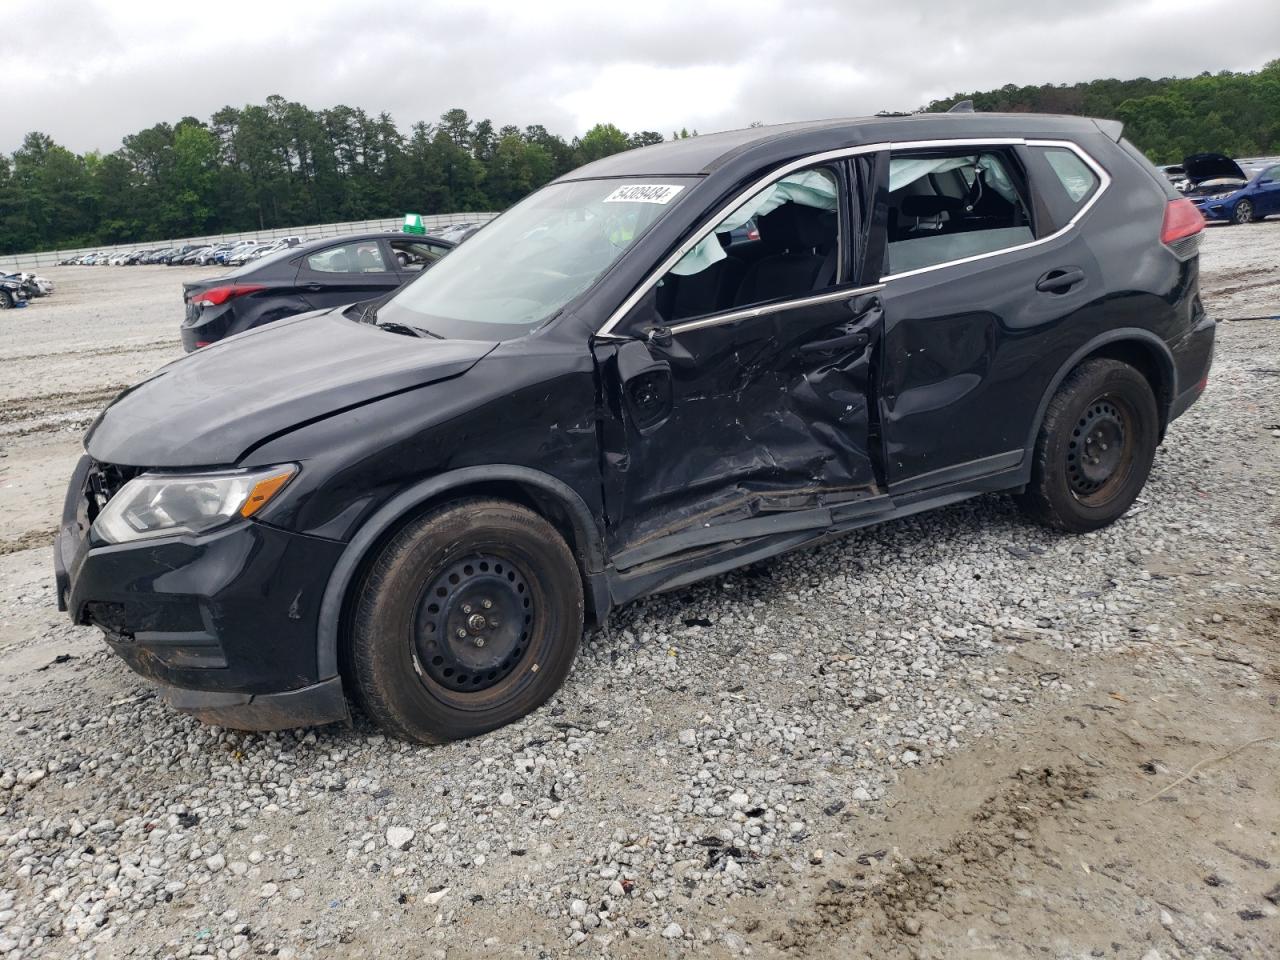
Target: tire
(411, 671)
(1243, 213)
(6, 300)
(1094, 449)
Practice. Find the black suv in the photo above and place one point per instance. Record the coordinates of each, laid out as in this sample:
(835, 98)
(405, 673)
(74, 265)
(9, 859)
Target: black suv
(613, 390)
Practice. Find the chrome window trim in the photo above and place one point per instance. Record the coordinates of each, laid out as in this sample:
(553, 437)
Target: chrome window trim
(778, 306)
(1104, 181)
(826, 157)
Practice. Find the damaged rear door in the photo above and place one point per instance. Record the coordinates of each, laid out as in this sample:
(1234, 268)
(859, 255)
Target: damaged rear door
(985, 290)
(740, 404)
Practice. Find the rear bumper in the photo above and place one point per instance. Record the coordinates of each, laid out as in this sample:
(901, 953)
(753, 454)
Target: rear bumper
(204, 326)
(1192, 357)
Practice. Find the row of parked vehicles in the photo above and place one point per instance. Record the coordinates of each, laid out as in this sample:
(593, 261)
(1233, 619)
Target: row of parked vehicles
(199, 254)
(231, 253)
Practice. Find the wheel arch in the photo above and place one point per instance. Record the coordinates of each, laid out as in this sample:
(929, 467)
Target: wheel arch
(552, 499)
(1139, 348)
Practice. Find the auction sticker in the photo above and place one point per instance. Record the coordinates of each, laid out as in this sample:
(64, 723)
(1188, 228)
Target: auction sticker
(644, 193)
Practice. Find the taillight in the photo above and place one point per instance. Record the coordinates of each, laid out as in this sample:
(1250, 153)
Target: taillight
(1182, 219)
(220, 295)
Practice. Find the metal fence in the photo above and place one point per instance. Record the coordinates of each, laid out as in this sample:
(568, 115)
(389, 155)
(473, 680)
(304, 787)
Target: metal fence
(48, 258)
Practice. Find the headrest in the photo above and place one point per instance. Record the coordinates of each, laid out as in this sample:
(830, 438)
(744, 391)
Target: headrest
(796, 227)
(930, 205)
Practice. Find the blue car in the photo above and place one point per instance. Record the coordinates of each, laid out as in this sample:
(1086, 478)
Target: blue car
(1221, 191)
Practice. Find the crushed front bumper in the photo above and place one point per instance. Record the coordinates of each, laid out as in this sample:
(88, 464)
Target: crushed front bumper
(225, 623)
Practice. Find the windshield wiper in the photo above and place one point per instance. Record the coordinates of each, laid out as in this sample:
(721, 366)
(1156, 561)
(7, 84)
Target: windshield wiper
(406, 329)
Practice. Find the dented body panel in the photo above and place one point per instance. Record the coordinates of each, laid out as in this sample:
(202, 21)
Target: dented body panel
(664, 452)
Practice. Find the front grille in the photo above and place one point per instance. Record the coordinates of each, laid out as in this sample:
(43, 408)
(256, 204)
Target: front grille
(102, 482)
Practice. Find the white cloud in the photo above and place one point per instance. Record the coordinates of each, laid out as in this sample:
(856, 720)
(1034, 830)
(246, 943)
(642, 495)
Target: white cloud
(90, 72)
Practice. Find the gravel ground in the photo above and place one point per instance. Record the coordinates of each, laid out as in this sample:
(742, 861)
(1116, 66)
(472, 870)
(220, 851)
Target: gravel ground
(933, 738)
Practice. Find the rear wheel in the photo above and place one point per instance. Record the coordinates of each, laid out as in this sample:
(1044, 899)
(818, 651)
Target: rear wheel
(469, 619)
(1243, 212)
(1095, 448)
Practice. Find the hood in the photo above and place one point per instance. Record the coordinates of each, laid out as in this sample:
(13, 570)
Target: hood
(1211, 166)
(212, 406)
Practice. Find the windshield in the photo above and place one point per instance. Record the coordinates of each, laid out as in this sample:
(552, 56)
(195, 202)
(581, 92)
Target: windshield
(522, 268)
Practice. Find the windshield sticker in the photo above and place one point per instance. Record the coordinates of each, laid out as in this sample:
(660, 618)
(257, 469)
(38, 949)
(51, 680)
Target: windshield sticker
(644, 193)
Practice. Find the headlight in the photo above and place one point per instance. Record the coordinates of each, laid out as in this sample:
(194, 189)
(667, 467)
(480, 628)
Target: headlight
(157, 504)
(1222, 196)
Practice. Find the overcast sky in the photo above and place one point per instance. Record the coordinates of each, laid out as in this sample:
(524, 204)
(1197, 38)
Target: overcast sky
(87, 72)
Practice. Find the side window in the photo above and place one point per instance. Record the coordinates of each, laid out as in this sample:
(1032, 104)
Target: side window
(947, 205)
(415, 255)
(1074, 175)
(362, 257)
(1271, 174)
(782, 243)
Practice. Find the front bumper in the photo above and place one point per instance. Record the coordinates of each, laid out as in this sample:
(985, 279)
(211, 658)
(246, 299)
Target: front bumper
(227, 622)
(1216, 209)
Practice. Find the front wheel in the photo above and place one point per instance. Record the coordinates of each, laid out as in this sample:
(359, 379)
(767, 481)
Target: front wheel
(1095, 447)
(1243, 212)
(6, 300)
(469, 618)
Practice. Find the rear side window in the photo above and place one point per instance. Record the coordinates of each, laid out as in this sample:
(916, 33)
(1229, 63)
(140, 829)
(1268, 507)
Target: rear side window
(364, 257)
(947, 205)
(1074, 175)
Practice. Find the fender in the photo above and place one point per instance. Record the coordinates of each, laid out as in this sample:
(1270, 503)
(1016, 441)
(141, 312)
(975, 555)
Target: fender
(1145, 337)
(589, 546)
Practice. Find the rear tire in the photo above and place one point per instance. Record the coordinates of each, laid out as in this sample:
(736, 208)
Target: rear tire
(1095, 448)
(469, 619)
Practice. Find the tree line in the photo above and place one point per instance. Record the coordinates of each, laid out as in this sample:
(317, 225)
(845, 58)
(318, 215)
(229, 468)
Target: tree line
(1233, 113)
(279, 164)
(282, 164)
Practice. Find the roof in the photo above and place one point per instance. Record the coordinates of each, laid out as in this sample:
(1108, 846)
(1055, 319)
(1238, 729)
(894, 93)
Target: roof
(703, 154)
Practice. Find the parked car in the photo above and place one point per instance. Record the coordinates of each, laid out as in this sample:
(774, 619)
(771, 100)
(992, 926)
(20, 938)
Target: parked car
(454, 232)
(420, 500)
(225, 256)
(32, 286)
(191, 255)
(291, 280)
(11, 294)
(1236, 199)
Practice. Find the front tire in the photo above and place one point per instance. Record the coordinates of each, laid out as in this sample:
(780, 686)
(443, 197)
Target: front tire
(1243, 212)
(469, 618)
(1095, 448)
(6, 300)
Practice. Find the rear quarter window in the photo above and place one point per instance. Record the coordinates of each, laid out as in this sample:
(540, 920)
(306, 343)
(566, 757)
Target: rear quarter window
(1065, 183)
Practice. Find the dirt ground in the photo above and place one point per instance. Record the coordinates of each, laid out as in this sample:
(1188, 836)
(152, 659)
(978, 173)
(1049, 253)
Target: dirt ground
(1125, 805)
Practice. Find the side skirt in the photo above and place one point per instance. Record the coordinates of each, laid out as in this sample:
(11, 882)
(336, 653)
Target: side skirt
(689, 557)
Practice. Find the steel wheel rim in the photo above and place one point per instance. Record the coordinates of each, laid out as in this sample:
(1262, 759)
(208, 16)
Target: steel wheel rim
(1100, 452)
(474, 624)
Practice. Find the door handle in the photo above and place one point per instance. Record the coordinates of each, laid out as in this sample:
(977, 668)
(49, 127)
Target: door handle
(849, 341)
(313, 287)
(1060, 280)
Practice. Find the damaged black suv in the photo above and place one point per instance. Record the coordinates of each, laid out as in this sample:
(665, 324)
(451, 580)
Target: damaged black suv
(616, 389)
